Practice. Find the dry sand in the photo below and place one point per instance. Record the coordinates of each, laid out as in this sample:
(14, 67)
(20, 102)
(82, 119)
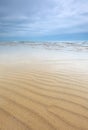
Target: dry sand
(44, 95)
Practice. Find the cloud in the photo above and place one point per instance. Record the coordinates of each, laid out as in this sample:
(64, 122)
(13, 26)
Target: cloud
(41, 18)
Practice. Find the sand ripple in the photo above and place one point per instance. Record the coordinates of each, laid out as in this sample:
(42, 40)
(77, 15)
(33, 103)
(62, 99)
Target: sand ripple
(42, 100)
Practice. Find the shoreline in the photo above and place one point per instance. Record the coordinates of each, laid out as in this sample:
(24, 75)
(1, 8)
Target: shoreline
(43, 90)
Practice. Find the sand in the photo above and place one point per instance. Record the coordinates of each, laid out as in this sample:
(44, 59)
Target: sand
(43, 93)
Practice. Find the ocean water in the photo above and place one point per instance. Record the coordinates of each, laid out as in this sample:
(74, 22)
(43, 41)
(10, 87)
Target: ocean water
(25, 52)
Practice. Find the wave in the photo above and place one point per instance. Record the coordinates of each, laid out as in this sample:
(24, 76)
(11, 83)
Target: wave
(68, 46)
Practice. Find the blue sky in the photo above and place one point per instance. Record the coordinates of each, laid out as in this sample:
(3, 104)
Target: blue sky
(43, 20)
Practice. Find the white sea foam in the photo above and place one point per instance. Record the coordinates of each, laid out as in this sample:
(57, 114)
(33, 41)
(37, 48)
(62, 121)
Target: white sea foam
(53, 50)
(69, 46)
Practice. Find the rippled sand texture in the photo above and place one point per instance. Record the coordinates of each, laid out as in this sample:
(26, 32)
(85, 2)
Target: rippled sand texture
(43, 100)
(48, 95)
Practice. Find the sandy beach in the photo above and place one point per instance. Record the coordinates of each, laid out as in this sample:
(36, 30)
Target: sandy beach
(42, 88)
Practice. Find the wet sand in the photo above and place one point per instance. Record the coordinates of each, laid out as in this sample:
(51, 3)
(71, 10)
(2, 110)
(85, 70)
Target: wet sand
(43, 92)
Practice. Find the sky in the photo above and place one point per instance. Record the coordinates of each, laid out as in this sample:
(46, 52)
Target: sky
(43, 20)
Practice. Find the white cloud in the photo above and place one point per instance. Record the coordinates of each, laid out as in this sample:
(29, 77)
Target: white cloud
(38, 17)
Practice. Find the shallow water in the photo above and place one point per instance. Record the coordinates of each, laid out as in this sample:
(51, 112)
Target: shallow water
(14, 52)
